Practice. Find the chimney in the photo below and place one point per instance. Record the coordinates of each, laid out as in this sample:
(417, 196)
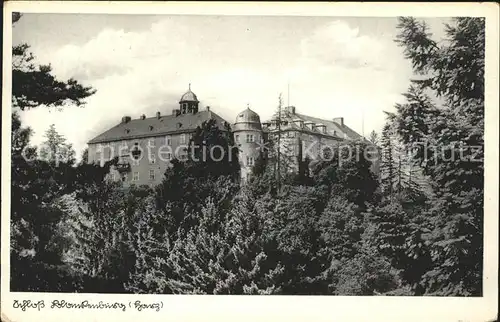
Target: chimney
(291, 109)
(126, 119)
(143, 117)
(158, 115)
(339, 121)
(208, 108)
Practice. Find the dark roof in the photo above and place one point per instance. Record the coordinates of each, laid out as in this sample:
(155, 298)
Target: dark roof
(330, 126)
(153, 126)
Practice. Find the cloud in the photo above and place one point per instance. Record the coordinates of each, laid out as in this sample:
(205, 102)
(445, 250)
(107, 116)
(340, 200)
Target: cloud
(333, 71)
(336, 43)
(118, 52)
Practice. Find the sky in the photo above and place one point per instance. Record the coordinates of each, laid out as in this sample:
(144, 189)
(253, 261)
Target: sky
(326, 67)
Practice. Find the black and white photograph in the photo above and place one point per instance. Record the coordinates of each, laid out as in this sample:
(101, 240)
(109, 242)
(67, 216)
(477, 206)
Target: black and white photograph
(219, 154)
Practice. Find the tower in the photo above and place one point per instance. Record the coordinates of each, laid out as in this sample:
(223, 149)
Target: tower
(247, 131)
(188, 103)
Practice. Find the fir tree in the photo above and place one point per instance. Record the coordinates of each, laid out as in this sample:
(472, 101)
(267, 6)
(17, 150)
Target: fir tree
(37, 186)
(373, 138)
(34, 85)
(55, 149)
(454, 134)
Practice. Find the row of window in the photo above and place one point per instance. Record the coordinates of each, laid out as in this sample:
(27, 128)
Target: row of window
(167, 156)
(183, 139)
(135, 176)
(250, 138)
(288, 134)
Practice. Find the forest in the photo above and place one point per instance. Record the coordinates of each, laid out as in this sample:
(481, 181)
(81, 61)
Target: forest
(330, 229)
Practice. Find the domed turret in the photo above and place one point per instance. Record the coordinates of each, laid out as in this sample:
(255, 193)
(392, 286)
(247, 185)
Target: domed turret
(189, 96)
(189, 102)
(247, 120)
(247, 131)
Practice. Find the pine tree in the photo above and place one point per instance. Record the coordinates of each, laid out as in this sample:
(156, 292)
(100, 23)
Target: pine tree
(387, 166)
(400, 168)
(151, 243)
(454, 134)
(55, 149)
(373, 138)
(34, 85)
(100, 225)
(36, 216)
(222, 254)
(36, 186)
(85, 156)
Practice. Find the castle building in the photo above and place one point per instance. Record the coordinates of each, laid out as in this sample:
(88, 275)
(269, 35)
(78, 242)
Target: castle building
(145, 146)
(300, 137)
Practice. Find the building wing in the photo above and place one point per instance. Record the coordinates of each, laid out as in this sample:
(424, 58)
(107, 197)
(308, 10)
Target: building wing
(159, 125)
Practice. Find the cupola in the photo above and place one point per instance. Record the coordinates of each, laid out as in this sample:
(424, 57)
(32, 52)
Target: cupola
(189, 102)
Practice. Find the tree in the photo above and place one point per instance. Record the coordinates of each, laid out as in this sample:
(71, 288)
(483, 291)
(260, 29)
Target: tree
(55, 149)
(454, 136)
(150, 241)
(188, 184)
(281, 155)
(101, 226)
(400, 228)
(34, 85)
(374, 137)
(36, 186)
(348, 173)
(36, 213)
(388, 176)
(292, 238)
(221, 254)
(212, 151)
(85, 156)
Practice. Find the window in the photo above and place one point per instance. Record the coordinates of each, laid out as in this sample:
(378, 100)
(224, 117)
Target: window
(291, 134)
(327, 153)
(124, 145)
(124, 177)
(136, 176)
(151, 174)
(152, 160)
(151, 143)
(250, 161)
(250, 138)
(135, 161)
(98, 156)
(168, 140)
(98, 147)
(168, 156)
(107, 148)
(237, 138)
(183, 138)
